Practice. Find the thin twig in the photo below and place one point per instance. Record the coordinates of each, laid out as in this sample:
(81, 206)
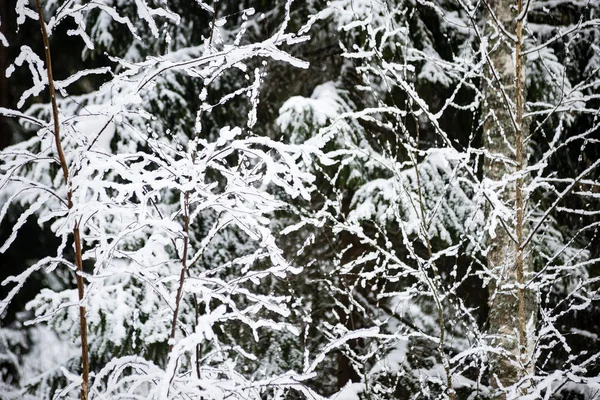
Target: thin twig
(440, 310)
(179, 295)
(76, 233)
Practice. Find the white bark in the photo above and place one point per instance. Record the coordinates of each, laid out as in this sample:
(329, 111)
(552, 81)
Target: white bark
(513, 307)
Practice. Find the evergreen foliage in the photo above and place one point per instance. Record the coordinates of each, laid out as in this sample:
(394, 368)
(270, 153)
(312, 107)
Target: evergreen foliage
(282, 199)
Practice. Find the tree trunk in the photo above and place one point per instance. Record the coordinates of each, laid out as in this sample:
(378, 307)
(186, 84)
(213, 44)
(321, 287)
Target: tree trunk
(513, 306)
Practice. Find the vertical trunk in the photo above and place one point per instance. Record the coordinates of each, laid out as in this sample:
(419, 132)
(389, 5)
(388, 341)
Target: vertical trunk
(513, 307)
(85, 365)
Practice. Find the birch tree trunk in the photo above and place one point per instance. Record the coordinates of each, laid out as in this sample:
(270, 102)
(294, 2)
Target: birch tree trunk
(513, 305)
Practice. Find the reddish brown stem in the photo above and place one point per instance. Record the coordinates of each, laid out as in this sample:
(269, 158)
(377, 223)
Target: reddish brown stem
(186, 227)
(82, 311)
(184, 270)
(76, 234)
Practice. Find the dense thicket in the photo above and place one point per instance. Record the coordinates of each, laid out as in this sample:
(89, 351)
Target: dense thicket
(349, 199)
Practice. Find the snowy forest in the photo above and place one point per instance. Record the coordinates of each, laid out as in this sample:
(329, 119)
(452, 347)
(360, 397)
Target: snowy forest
(300, 199)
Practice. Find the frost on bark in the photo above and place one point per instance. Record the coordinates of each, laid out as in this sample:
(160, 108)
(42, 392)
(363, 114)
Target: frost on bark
(513, 305)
